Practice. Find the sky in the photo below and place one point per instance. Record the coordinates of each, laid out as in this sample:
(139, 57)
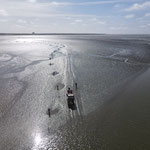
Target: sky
(75, 16)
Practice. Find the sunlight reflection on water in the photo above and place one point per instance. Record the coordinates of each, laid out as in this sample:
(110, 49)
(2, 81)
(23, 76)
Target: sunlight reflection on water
(37, 139)
(45, 143)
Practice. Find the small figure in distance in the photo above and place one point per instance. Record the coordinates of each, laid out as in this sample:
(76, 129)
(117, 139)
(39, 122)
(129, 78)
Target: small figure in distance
(57, 87)
(49, 112)
(76, 85)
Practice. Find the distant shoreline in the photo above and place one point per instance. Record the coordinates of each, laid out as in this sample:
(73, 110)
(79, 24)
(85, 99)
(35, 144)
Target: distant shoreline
(12, 34)
(52, 34)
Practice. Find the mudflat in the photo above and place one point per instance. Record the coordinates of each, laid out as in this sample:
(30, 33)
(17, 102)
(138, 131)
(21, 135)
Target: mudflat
(112, 98)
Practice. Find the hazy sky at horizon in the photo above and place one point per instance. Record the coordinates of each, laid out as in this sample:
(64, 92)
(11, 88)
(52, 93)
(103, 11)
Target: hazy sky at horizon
(75, 16)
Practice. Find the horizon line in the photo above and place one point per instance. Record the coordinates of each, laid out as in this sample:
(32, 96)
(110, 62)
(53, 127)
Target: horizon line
(34, 33)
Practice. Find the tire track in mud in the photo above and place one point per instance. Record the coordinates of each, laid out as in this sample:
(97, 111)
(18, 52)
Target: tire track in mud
(71, 83)
(76, 119)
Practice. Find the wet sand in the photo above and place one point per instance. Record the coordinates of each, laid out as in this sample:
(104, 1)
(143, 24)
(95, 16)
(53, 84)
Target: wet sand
(112, 98)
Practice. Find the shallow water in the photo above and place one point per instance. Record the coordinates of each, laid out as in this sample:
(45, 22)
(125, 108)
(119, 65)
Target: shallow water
(112, 97)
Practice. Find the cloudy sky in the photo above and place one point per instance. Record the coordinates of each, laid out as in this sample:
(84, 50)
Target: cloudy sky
(75, 16)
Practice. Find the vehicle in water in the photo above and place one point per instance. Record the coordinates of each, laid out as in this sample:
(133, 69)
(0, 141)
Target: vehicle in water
(70, 101)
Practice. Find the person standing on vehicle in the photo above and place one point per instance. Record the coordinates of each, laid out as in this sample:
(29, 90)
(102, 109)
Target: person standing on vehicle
(68, 91)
